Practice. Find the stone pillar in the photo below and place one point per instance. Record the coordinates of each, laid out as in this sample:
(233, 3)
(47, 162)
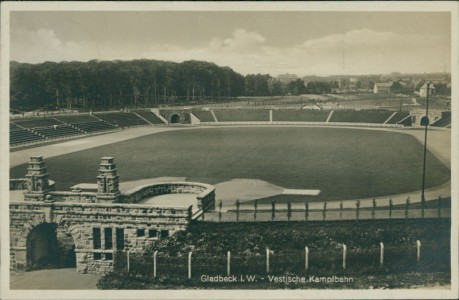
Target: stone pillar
(18, 258)
(107, 181)
(37, 180)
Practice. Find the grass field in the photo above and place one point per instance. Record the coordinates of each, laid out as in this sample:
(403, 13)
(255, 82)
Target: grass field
(343, 163)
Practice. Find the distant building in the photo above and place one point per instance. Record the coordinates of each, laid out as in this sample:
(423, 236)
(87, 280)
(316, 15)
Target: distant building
(382, 87)
(287, 78)
(343, 83)
(353, 83)
(423, 90)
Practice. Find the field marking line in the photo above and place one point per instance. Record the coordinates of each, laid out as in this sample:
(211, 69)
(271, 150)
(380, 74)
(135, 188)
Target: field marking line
(214, 116)
(143, 118)
(391, 116)
(329, 116)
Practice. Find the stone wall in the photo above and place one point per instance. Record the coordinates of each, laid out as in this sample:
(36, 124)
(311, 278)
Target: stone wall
(139, 225)
(90, 227)
(205, 193)
(206, 201)
(21, 184)
(183, 114)
(73, 196)
(18, 184)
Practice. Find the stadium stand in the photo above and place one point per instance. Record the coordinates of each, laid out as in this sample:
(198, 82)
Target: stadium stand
(14, 126)
(20, 136)
(64, 126)
(151, 117)
(363, 116)
(74, 119)
(37, 122)
(444, 121)
(122, 119)
(398, 117)
(204, 115)
(242, 115)
(293, 115)
(94, 126)
(30, 130)
(58, 131)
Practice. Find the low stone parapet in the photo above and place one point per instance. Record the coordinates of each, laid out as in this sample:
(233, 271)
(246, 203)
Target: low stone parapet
(205, 193)
(73, 196)
(21, 184)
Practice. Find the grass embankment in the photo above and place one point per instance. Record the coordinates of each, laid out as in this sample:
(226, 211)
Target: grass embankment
(248, 242)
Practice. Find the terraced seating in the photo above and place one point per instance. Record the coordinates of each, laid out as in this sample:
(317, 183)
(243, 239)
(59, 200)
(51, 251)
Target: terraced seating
(149, 116)
(399, 116)
(122, 119)
(22, 136)
(94, 126)
(443, 122)
(14, 126)
(294, 115)
(74, 119)
(242, 115)
(204, 115)
(363, 116)
(39, 122)
(59, 131)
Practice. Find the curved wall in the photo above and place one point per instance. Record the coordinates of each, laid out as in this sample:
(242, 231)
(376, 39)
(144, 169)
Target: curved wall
(205, 193)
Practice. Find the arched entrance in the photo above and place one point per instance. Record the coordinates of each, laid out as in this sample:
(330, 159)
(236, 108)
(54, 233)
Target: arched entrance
(175, 119)
(50, 247)
(42, 246)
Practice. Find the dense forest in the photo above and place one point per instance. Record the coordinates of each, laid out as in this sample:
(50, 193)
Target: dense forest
(138, 83)
(114, 84)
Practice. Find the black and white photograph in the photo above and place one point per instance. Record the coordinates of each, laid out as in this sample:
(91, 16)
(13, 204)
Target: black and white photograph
(223, 150)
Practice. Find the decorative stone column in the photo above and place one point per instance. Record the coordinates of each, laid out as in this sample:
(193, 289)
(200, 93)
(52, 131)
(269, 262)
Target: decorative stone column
(37, 180)
(107, 181)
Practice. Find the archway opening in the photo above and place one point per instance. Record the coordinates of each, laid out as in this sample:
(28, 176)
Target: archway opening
(50, 247)
(175, 119)
(42, 247)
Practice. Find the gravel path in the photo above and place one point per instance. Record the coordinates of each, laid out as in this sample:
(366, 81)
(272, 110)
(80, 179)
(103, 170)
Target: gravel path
(53, 279)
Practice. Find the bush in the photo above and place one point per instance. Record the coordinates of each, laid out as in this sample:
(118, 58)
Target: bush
(248, 243)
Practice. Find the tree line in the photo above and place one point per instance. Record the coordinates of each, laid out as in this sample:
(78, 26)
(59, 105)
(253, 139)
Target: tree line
(138, 83)
(112, 84)
(265, 85)
(102, 85)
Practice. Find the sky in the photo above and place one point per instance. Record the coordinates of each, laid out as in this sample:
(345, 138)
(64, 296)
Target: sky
(302, 43)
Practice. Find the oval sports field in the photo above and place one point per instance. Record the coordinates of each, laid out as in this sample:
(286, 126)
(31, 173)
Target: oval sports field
(344, 163)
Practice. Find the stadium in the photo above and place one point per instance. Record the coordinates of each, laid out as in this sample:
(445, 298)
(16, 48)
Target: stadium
(279, 149)
(291, 149)
(248, 158)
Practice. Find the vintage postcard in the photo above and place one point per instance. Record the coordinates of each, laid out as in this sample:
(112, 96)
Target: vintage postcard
(219, 150)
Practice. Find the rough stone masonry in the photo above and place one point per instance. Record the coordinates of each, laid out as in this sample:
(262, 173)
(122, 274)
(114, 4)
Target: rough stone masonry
(85, 229)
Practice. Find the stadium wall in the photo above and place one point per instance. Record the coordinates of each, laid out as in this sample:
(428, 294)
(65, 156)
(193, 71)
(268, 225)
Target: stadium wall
(50, 227)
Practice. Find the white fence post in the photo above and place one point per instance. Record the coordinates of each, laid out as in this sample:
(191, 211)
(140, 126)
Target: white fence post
(189, 265)
(418, 246)
(154, 263)
(127, 257)
(228, 264)
(306, 258)
(267, 260)
(344, 256)
(381, 254)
